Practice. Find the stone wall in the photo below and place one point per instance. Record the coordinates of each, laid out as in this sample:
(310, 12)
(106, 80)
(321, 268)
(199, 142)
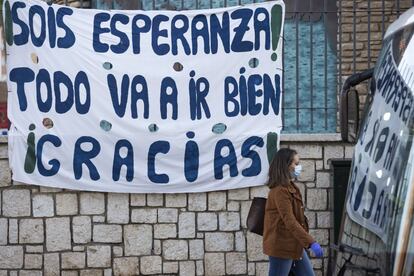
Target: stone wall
(367, 18)
(359, 237)
(44, 231)
(371, 20)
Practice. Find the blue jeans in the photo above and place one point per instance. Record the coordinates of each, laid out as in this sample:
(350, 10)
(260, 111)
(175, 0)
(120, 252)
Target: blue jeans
(281, 267)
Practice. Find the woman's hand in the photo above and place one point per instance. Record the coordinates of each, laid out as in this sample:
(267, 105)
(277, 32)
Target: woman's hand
(317, 249)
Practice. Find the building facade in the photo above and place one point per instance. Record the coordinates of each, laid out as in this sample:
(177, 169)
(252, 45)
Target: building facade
(47, 231)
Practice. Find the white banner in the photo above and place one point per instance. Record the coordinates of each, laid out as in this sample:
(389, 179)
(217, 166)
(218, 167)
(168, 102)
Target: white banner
(143, 101)
(381, 153)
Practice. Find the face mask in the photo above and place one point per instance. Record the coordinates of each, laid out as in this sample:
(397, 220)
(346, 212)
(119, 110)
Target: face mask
(297, 171)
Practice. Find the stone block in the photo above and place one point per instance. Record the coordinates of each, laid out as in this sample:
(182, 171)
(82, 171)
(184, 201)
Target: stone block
(200, 267)
(58, 236)
(197, 202)
(156, 250)
(13, 231)
(24, 185)
(196, 249)
(188, 268)
(99, 256)
(310, 185)
(138, 200)
(214, 264)
(155, 200)
(167, 215)
(332, 152)
(66, 204)
(98, 219)
(144, 215)
(217, 201)
(126, 266)
(308, 170)
(4, 151)
(43, 205)
(34, 248)
(316, 263)
(165, 231)
(207, 221)
(11, 257)
(324, 219)
(176, 200)
(30, 273)
(151, 265)
(319, 273)
(137, 240)
(233, 206)
(117, 251)
(118, 208)
(218, 241)
(317, 199)
(4, 227)
(323, 179)
(319, 165)
(349, 151)
(240, 241)
(244, 211)
(175, 250)
(73, 260)
(92, 203)
(5, 175)
(170, 268)
(78, 248)
(255, 248)
(33, 261)
(107, 233)
(236, 263)
(251, 268)
(262, 268)
(51, 264)
(11, 209)
(239, 194)
(229, 221)
(70, 273)
(311, 218)
(308, 151)
(45, 189)
(302, 187)
(91, 272)
(259, 191)
(31, 231)
(81, 227)
(186, 225)
(320, 235)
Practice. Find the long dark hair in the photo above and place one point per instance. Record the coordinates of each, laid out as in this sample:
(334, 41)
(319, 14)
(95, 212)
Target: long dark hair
(279, 168)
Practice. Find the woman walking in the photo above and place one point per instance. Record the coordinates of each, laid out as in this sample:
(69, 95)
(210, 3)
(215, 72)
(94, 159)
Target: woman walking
(285, 234)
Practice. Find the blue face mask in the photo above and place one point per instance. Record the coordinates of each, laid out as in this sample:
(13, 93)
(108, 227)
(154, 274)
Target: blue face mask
(296, 172)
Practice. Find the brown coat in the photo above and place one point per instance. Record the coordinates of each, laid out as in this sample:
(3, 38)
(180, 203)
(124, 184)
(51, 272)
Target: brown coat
(286, 228)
